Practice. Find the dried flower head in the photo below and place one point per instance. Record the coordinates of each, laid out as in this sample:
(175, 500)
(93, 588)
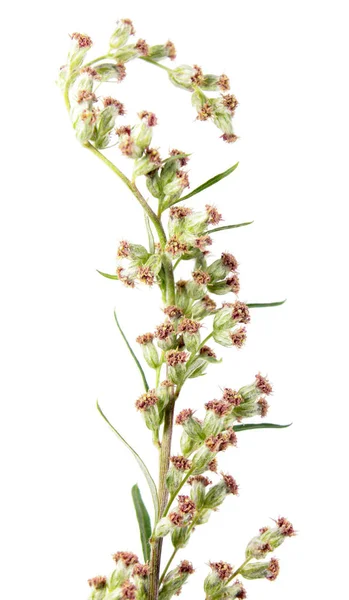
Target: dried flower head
(176, 519)
(185, 567)
(263, 406)
(171, 50)
(125, 279)
(203, 241)
(213, 465)
(240, 312)
(86, 96)
(219, 407)
(223, 83)
(98, 582)
(229, 261)
(153, 155)
(173, 312)
(176, 357)
(109, 101)
(148, 117)
(286, 528)
(230, 103)
(128, 558)
(205, 481)
(224, 570)
(128, 591)
(209, 303)
(238, 337)
(83, 41)
(91, 72)
(230, 138)
(123, 249)
(142, 47)
(183, 160)
(273, 569)
(181, 463)
(232, 486)
(184, 415)
(234, 283)
(186, 505)
(208, 352)
(198, 77)
(201, 277)
(205, 112)
(183, 179)
(147, 400)
(174, 246)
(164, 331)
(146, 275)
(140, 570)
(214, 217)
(188, 326)
(144, 339)
(221, 441)
(263, 384)
(232, 397)
(180, 212)
(130, 25)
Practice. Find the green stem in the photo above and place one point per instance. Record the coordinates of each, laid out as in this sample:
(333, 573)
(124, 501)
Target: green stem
(154, 62)
(95, 60)
(236, 573)
(168, 564)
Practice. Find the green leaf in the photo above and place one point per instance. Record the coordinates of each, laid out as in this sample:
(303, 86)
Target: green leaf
(208, 183)
(107, 275)
(228, 227)
(150, 235)
(143, 521)
(266, 304)
(247, 426)
(145, 471)
(139, 366)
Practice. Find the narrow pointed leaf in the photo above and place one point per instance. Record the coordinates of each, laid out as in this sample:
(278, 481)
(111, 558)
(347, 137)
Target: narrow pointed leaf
(208, 183)
(143, 522)
(140, 462)
(150, 235)
(139, 366)
(229, 227)
(266, 304)
(247, 426)
(107, 275)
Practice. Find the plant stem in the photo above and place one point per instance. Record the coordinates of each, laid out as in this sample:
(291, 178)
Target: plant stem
(168, 564)
(174, 494)
(154, 62)
(238, 570)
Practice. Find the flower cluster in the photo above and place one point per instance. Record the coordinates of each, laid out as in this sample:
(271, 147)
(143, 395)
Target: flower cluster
(178, 348)
(123, 48)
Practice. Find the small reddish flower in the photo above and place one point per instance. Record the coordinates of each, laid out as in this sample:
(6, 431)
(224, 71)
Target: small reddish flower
(201, 277)
(123, 249)
(176, 357)
(128, 558)
(208, 352)
(214, 217)
(144, 339)
(240, 312)
(83, 41)
(224, 570)
(188, 326)
(140, 570)
(230, 138)
(183, 160)
(230, 103)
(223, 83)
(86, 96)
(147, 400)
(164, 331)
(142, 47)
(176, 519)
(286, 528)
(199, 479)
(128, 591)
(185, 567)
(229, 261)
(181, 463)
(219, 407)
(263, 384)
(148, 117)
(146, 275)
(186, 505)
(197, 78)
(173, 312)
(205, 112)
(174, 246)
(203, 241)
(238, 337)
(109, 101)
(184, 415)
(264, 406)
(273, 569)
(232, 397)
(98, 582)
(232, 486)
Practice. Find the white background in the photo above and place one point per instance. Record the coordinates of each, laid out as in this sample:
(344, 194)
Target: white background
(66, 479)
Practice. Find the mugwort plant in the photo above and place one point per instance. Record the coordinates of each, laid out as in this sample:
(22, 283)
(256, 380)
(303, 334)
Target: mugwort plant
(175, 349)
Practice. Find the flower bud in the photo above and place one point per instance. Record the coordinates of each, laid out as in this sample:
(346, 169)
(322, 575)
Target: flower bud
(124, 29)
(166, 337)
(220, 491)
(220, 573)
(188, 444)
(153, 184)
(174, 189)
(252, 409)
(275, 536)
(161, 51)
(215, 83)
(261, 570)
(236, 590)
(81, 43)
(203, 308)
(175, 579)
(260, 385)
(175, 474)
(150, 353)
(106, 121)
(147, 404)
(216, 410)
(180, 537)
(176, 360)
(207, 354)
(201, 460)
(191, 335)
(129, 52)
(190, 424)
(85, 126)
(228, 339)
(143, 132)
(110, 72)
(124, 564)
(221, 267)
(198, 489)
(186, 77)
(163, 527)
(150, 161)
